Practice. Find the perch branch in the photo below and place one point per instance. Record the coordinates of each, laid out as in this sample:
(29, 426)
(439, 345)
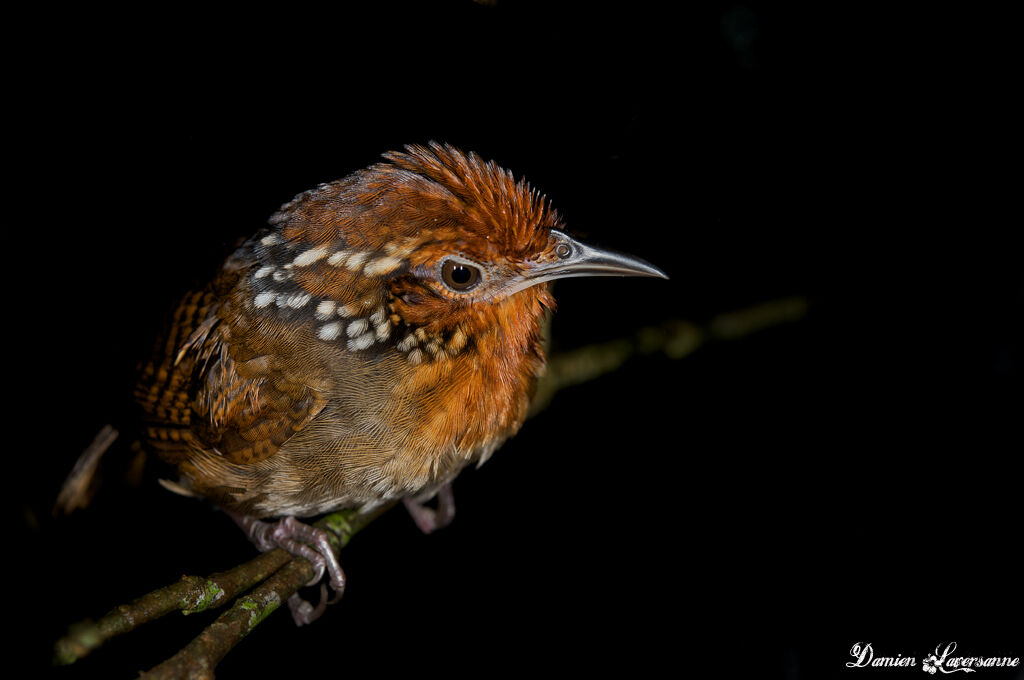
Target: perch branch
(189, 594)
(199, 657)
(192, 594)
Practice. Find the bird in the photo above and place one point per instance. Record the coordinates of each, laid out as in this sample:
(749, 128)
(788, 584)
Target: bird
(378, 335)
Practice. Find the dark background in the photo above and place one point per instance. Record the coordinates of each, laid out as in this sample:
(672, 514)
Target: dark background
(757, 507)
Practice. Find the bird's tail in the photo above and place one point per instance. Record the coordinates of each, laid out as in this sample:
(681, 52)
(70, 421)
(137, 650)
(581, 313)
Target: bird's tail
(82, 483)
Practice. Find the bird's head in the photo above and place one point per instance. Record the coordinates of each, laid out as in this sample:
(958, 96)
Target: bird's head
(424, 252)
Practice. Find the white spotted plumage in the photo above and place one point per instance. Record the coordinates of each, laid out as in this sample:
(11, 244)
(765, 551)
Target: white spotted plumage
(265, 299)
(310, 256)
(338, 259)
(361, 322)
(357, 327)
(355, 262)
(381, 265)
(324, 310)
(329, 331)
(362, 342)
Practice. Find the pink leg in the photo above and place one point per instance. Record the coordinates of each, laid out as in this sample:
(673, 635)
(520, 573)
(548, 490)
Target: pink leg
(429, 519)
(297, 538)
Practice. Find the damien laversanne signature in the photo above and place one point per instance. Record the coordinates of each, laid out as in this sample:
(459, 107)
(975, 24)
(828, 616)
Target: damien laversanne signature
(942, 661)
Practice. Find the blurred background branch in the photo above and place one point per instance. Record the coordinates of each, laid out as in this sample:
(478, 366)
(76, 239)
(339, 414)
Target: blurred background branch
(282, 575)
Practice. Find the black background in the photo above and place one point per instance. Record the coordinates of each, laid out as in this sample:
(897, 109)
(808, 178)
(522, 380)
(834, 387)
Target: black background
(756, 508)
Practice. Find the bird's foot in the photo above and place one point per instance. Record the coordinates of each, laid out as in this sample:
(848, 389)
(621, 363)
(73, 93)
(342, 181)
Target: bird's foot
(430, 519)
(304, 541)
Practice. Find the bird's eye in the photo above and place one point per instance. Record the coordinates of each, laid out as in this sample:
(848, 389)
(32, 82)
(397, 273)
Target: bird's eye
(459, 276)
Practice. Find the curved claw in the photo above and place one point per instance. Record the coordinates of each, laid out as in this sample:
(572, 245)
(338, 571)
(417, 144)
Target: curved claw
(304, 541)
(303, 612)
(429, 519)
(284, 533)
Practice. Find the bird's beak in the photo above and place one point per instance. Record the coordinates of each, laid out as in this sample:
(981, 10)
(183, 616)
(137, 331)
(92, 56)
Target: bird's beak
(568, 258)
(573, 258)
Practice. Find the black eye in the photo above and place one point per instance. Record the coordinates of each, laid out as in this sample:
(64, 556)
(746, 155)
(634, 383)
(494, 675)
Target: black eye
(459, 276)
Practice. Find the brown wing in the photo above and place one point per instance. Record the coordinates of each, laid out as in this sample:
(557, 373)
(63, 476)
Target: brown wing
(217, 385)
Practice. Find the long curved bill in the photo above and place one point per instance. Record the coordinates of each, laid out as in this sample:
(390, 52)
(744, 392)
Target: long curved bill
(574, 258)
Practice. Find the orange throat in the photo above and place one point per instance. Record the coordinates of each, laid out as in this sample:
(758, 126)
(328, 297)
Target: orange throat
(480, 396)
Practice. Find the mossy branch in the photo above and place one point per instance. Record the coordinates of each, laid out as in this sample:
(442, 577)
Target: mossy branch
(281, 574)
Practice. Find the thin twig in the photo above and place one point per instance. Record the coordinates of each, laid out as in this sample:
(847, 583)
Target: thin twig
(201, 656)
(190, 594)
